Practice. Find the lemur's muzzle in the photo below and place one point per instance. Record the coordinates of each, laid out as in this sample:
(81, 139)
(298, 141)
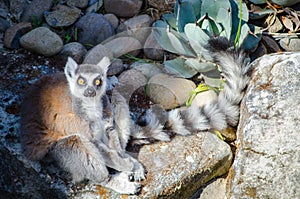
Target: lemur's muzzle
(89, 92)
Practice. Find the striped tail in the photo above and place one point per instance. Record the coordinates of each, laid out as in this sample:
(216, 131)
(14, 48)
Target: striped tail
(225, 111)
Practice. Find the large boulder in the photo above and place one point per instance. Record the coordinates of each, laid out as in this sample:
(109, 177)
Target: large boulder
(93, 28)
(33, 11)
(168, 91)
(267, 163)
(123, 8)
(42, 41)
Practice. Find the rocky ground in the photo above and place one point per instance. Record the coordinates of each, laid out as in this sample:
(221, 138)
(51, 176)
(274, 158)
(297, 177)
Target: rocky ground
(36, 37)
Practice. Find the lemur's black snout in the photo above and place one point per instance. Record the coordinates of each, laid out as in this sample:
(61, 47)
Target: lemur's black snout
(89, 92)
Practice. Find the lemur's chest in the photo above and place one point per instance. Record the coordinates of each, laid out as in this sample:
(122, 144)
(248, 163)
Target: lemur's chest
(68, 120)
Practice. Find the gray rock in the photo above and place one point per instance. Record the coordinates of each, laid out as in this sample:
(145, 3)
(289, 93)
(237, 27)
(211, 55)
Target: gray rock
(93, 29)
(42, 41)
(214, 190)
(34, 10)
(148, 69)
(4, 25)
(22, 180)
(78, 3)
(176, 169)
(152, 49)
(75, 50)
(137, 27)
(116, 67)
(130, 81)
(113, 20)
(94, 6)
(4, 13)
(170, 92)
(205, 98)
(270, 44)
(123, 45)
(259, 51)
(267, 161)
(16, 8)
(123, 8)
(13, 34)
(95, 54)
(290, 43)
(62, 16)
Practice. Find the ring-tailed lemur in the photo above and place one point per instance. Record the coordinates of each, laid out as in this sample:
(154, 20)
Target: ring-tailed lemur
(69, 116)
(63, 115)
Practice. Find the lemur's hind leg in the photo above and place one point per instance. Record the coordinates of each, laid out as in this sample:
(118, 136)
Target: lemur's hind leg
(81, 158)
(137, 170)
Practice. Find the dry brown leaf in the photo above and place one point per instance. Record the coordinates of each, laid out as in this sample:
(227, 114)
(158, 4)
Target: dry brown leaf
(276, 26)
(296, 20)
(287, 23)
(270, 20)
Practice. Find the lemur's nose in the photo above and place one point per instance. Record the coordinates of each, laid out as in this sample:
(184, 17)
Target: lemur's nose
(89, 92)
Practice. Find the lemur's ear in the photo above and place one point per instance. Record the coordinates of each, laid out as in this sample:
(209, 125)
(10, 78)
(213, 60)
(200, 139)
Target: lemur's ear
(70, 68)
(104, 63)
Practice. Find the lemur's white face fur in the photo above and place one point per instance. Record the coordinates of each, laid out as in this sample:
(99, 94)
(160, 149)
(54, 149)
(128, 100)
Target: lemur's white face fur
(87, 81)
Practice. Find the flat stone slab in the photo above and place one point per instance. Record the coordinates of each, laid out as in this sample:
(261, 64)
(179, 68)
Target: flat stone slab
(267, 163)
(176, 169)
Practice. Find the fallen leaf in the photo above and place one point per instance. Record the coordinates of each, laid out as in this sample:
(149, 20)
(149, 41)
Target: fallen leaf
(276, 26)
(287, 23)
(296, 20)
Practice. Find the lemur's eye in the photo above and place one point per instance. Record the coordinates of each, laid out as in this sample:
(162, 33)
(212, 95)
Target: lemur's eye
(81, 81)
(97, 82)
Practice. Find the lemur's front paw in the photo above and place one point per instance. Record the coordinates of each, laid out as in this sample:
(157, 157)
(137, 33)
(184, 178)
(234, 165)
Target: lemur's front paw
(133, 188)
(138, 174)
(120, 183)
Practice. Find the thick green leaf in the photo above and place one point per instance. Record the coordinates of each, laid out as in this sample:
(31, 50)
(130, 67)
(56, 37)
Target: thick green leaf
(213, 78)
(171, 40)
(244, 34)
(209, 24)
(214, 82)
(180, 44)
(196, 4)
(224, 18)
(197, 38)
(160, 24)
(185, 43)
(178, 68)
(212, 7)
(245, 12)
(161, 36)
(184, 15)
(170, 18)
(200, 66)
(236, 20)
(251, 41)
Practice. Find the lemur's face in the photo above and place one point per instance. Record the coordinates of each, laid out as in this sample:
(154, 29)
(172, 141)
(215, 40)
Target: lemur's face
(87, 80)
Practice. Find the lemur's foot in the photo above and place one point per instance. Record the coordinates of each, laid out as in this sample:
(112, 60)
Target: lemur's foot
(120, 183)
(138, 174)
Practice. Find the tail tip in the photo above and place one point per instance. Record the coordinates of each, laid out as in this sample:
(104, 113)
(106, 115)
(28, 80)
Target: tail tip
(219, 44)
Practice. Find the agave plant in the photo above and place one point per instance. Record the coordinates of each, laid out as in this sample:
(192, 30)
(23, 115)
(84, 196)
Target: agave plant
(186, 32)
